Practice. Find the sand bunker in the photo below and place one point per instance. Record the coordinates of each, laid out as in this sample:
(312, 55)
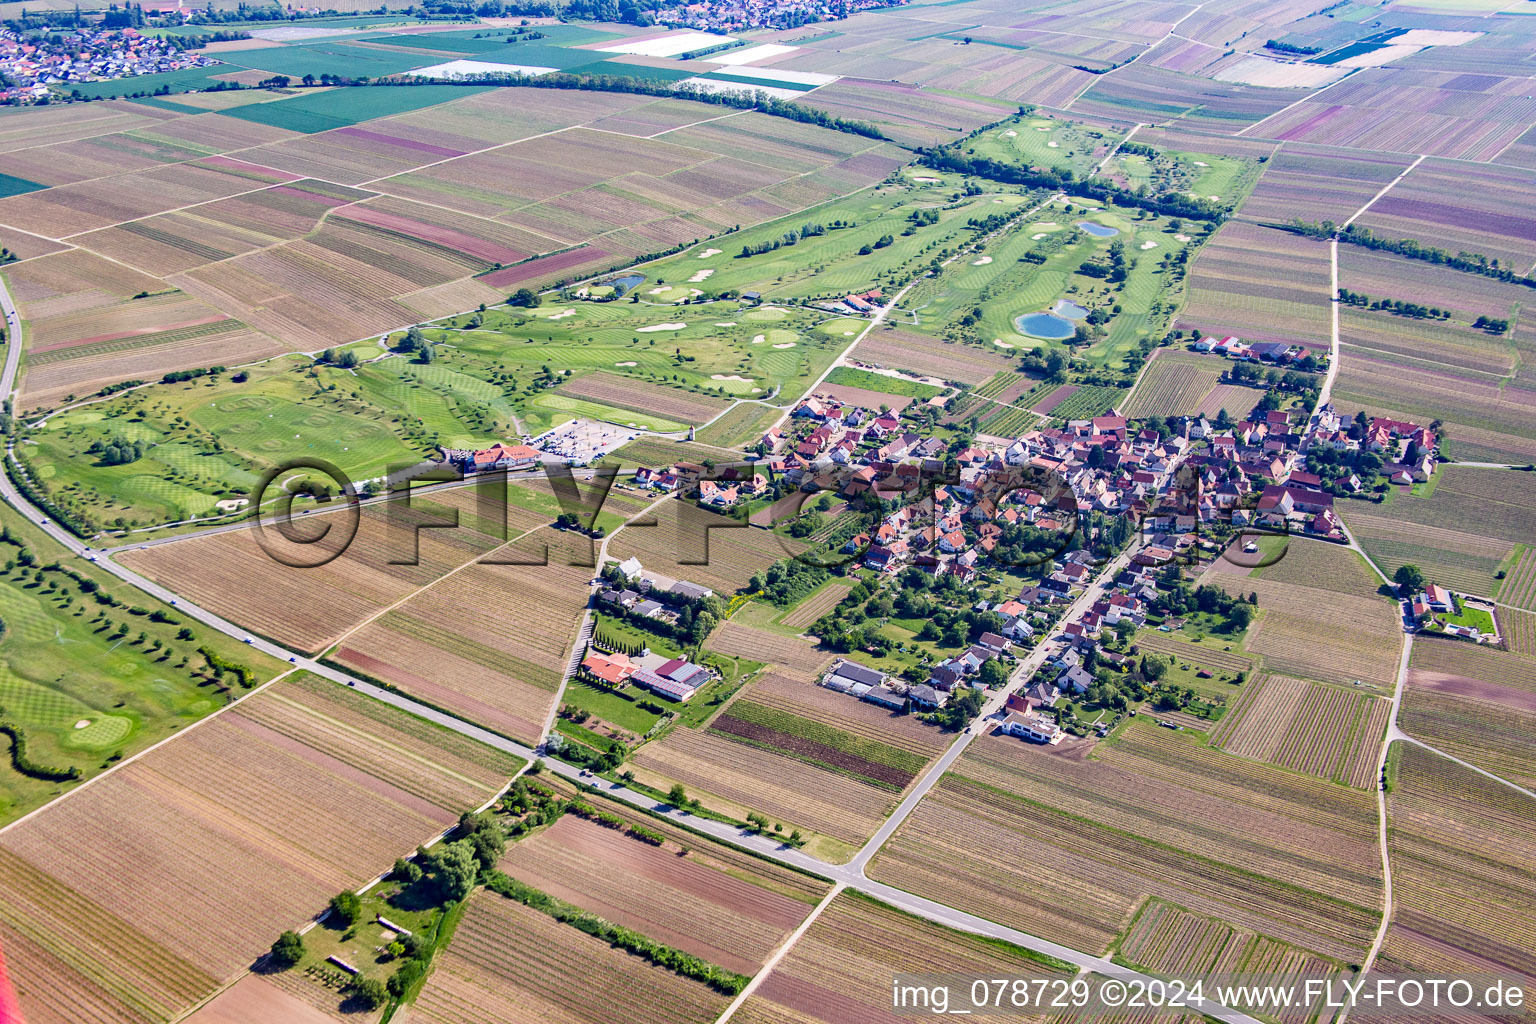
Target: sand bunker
(703, 275)
(728, 323)
(1201, 163)
(82, 723)
(659, 327)
(1011, 134)
(981, 262)
(707, 253)
(1181, 238)
(785, 344)
(1000, 343)
(925, 179)
(759, 339)
(1037, 236)
(562, 315)
(721, 376)
(629, 363)
(1149, 244)
(1054, 145)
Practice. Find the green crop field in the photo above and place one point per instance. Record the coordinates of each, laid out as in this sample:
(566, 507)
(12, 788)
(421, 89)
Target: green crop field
(323, 110)
(76, 678)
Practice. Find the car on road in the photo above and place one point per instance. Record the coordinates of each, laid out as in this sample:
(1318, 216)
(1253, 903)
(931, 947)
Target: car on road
(249, 640)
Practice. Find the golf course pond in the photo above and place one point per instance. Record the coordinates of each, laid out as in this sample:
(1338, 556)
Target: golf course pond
(1055, 324)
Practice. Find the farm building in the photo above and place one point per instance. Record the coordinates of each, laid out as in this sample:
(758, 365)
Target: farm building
(847, 674)
(613, 669)
(677, 679)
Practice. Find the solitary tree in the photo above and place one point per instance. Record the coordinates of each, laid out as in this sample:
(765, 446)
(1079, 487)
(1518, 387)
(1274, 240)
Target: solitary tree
(1410, 578)
(371, 992)
(347, 906)
(288, 949)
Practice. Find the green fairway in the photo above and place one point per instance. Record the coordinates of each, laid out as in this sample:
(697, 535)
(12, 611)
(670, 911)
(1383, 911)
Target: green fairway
(829, 264)
(77, 679)
(208, 440)
(1042, 141)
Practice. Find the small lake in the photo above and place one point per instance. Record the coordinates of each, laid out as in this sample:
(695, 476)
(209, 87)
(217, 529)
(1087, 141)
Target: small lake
(1098, 230)
(1069, 309)
(620, 285)
(1046, 325)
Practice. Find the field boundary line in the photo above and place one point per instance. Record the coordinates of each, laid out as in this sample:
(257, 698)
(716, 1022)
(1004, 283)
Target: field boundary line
(1150, 47)
(695, 124)
(778, 954)
(1384, 190)
(125, 762)
(475, 560)
(1310, 96)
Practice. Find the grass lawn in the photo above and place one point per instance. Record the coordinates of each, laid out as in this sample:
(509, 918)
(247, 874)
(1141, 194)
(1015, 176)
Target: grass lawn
(883, 383)
(827, 265)
(76, 678)
(625, 632)
(1477, 618)
(612, 707)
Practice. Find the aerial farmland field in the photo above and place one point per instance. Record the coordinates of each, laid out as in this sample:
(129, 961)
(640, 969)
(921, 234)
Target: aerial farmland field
(839, 972)
(575, 764)
(1449, 823)
(322, 788)
(1037, 818)
(1477, 704)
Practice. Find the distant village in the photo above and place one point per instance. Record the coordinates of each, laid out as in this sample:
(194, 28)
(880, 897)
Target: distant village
(34, 64)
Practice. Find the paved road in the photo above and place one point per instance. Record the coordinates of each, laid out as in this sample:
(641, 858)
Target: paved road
(1021, 675)
(851, 874)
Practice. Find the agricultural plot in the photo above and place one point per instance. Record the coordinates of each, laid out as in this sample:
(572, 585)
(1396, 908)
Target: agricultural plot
(1461, 535)
(1072, 847)
(791, 656)
(1321, 730)
(1475, 703)
(1324, 566)
(697, 896)
(817, 605)
(1172, 942)
(489, 643)
(1261, 284)
(1175, 383)
(1519, 631)
(84, 682)
(897, 349)
(806, 757)
(905, 113)
(1519, 588)
(1318, 183)
(311, 609)
(691, 543)
(320, 789)
(609, 389)
(1322, 634)
(1460, 208)
(1461, 869)
(1403, 110)
(839, 970)
(508, 962)
(740, 427)
(1446, 346)
(1141, 93)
